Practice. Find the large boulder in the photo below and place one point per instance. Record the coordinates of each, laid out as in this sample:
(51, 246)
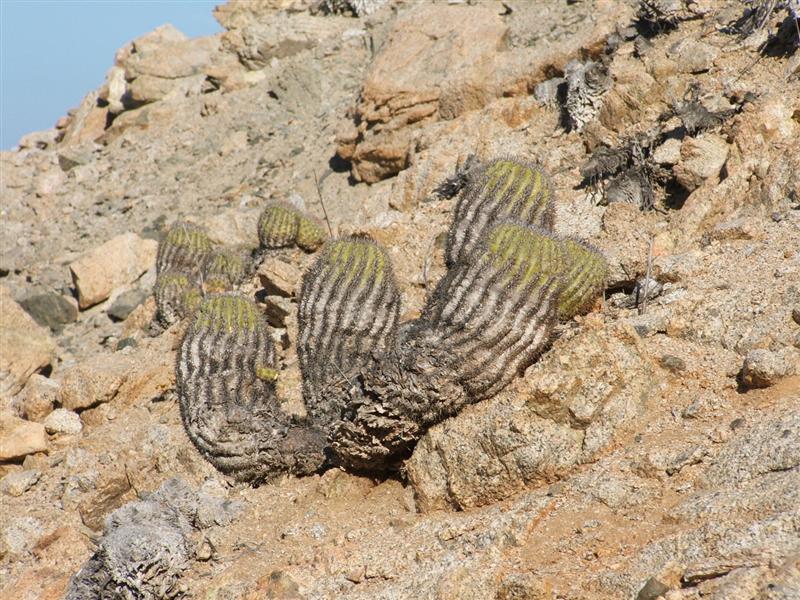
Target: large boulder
(566, 410)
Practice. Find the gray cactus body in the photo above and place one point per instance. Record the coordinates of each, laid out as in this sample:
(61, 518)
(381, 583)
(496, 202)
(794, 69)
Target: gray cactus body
(587, 83)
(630, 187)
(488, 320)
(226, 376)
(184, 247)
(506, 189)
(147, 544)
(348, 310)
(177, 295)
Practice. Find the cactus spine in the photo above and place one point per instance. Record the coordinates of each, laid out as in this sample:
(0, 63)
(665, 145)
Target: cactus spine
(226, 374)
(505, 189)
(348, 309)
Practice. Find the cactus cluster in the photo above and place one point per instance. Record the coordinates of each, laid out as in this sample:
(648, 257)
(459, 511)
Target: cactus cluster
(281, 225)
(182, 252)
(189, 265)
(372, 386)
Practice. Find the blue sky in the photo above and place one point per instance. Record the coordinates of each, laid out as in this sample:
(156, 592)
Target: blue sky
(53, 52)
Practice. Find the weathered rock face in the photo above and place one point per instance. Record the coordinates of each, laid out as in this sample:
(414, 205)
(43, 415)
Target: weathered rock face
(459, 47)
(25, 346)
(568, 408)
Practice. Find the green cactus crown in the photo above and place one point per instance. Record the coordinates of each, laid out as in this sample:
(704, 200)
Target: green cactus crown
(527, 255)
(584, 277)
(356, 257)
(228, 262)
(277, 225)
(521, 186)
(228, 313)
(283, 225)
(189, 236)
(310, 234)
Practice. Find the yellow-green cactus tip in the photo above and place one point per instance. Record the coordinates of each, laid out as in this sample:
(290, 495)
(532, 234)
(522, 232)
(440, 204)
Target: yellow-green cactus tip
(266, 373)
(310, 234)
(228, 312)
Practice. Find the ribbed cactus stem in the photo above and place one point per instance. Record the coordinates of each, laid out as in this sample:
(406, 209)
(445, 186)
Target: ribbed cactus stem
(224, 269)
(184, 247)
(494, 313)
(348, 309)
(226, 373)
(584, 278)
(488, 319)
(506, 189)
(277, 225)
(177, 295)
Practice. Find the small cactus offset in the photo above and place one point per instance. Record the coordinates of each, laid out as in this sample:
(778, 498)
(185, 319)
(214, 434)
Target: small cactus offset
(226, 374)
(177, 295)
(310, 234)
(281, 225)
(277, 225)
(506, 189)
(584, 278)
(489, 318)
(184, 247)
(224, 269)
(348, 309)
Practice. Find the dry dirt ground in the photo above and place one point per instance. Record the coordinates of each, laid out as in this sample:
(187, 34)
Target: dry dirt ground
(647, 454)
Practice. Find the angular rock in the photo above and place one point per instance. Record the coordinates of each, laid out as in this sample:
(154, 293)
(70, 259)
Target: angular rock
(767, 446)
(668, 153)
(40, 396)
(16, 484)
(459, 46)
(279, 278)
(50, 309)
(702, 158)
(19, 437)
(93, 382)
(63, 421)
(118, 262)
(19, 535)
(568, 408)
(693, 56)
(763, 368)
(126, 303)
(25, 346)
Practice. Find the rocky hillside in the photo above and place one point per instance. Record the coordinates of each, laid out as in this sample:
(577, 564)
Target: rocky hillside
(652, 451)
